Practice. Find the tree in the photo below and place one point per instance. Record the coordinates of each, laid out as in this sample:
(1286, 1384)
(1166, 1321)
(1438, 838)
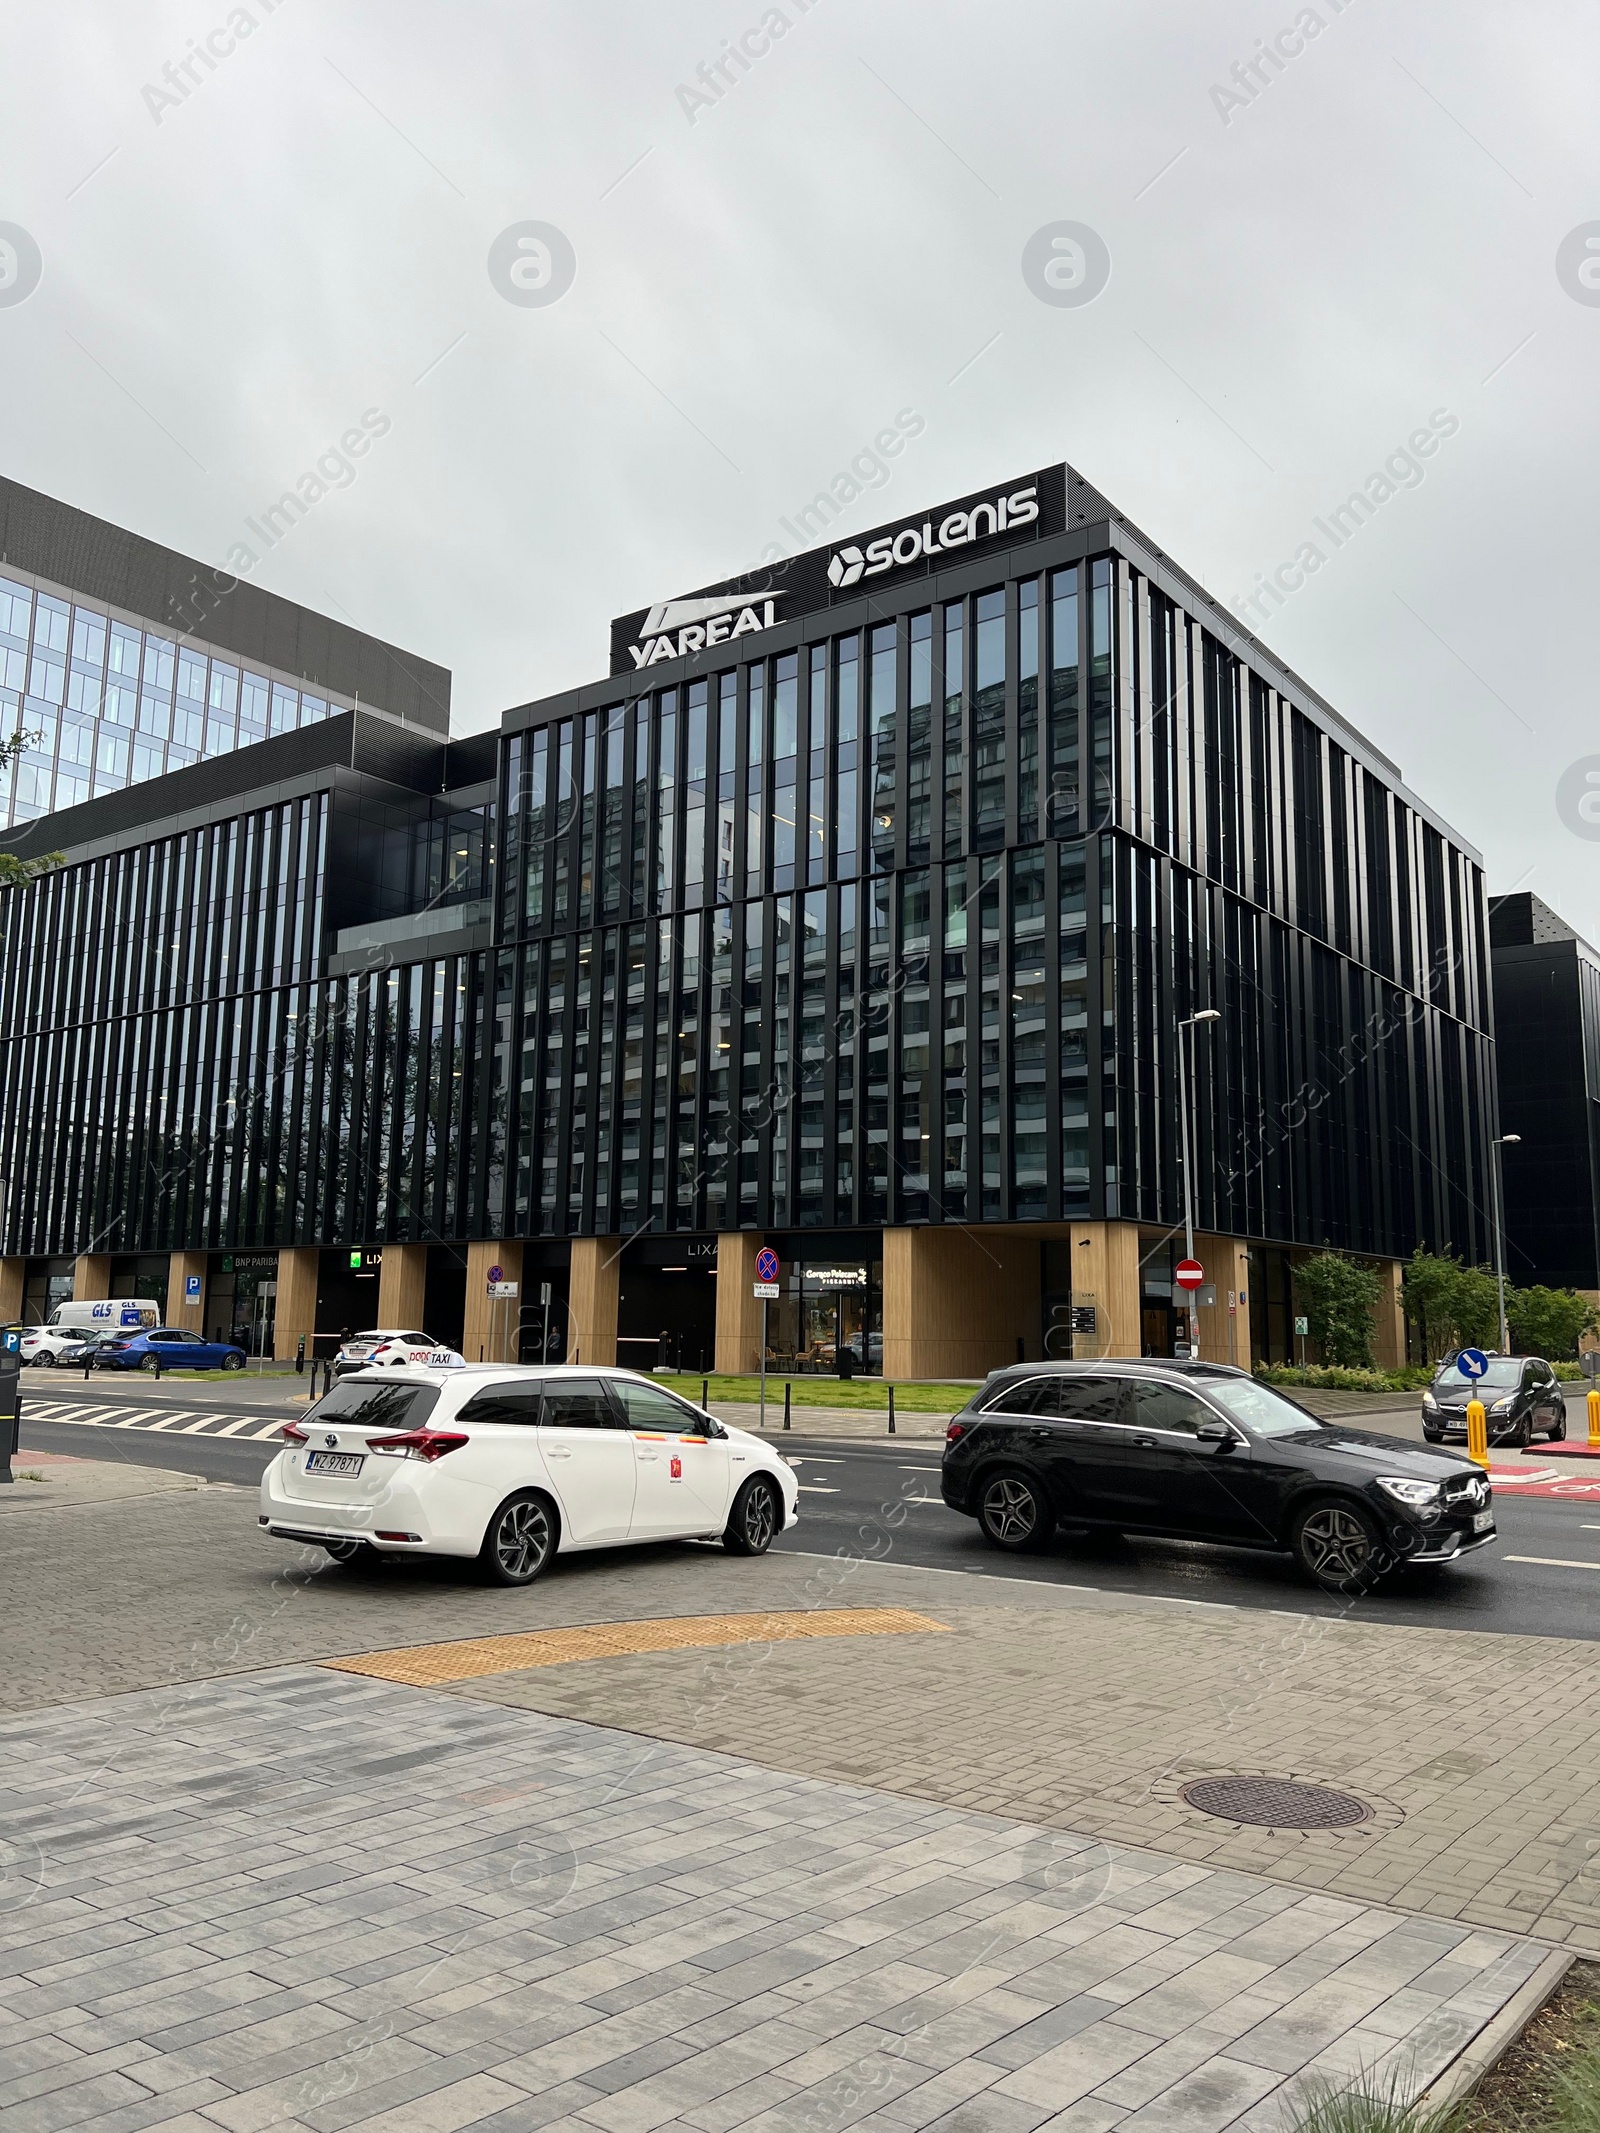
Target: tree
(1451, 1305)
(1339, 1296)
(1477, 1310)
(1548, 1322)
(1429, 1297)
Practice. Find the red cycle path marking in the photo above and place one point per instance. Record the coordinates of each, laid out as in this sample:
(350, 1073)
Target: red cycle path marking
(1543, 1481)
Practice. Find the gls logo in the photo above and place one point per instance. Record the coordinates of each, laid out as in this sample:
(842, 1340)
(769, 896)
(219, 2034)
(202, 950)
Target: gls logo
(847, 566)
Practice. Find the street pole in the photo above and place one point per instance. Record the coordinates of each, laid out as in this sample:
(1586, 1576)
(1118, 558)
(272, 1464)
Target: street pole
(1188, 1173)
(1189, 1133)
(1497, 1180)
(763, 1422)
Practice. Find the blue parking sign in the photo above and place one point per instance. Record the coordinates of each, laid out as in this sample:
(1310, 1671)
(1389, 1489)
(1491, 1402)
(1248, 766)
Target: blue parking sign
(191, 1288)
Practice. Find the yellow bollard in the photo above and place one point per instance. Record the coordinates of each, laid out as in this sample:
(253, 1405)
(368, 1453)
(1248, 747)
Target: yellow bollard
(1594, 1419)
(1477, 1433)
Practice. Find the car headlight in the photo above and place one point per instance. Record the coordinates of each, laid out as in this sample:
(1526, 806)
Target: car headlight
(1430, 1405)
(1502, 1407)
(1415, 1493)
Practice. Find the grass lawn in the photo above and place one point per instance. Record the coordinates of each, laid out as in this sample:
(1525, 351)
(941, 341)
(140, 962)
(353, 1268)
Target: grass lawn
(871, 1395)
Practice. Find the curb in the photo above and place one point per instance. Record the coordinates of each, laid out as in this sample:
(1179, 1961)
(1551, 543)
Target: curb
(1463, 2074)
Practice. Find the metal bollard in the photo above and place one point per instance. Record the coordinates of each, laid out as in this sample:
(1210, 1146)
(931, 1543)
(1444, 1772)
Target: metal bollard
(1478, 1433)
(787, 1389)
(891, 1410)
(705, 1392)
(1594, 1419)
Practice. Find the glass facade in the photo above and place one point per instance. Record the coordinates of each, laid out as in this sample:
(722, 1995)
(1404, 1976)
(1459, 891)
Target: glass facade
(106, 702)
(890, 920)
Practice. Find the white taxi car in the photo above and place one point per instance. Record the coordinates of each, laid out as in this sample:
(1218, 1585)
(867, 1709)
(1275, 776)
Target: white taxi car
(388, 1347)
(513, 1464)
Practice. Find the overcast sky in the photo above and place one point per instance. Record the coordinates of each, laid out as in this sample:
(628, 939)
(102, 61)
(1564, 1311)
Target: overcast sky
(1306, 265)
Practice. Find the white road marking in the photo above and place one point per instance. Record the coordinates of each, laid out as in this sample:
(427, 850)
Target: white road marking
(1551, 1562)
(182, 1421)
(810, 1488)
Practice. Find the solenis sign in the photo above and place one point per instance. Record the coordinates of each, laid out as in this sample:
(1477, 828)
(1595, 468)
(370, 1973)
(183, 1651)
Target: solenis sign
(1022, 510)
(914, 543)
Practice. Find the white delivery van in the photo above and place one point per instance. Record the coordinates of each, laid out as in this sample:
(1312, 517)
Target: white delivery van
(108, 1315)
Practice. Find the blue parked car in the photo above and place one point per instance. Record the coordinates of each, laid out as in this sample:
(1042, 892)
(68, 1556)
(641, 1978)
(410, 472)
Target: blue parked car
(167, 1348)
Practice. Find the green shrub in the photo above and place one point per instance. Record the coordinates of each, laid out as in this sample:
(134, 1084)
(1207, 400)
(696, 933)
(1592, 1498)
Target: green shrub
(1409, 1379)
(1339, 1296)
(1370, 2105)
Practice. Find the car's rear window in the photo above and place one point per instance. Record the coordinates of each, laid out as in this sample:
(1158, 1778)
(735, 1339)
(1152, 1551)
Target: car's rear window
(376, 1406)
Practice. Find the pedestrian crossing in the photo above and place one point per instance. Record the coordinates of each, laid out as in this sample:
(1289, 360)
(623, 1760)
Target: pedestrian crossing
(176, 1421)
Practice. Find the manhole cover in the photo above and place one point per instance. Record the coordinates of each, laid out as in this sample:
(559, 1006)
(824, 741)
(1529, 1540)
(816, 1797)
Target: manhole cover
(1276, 1803)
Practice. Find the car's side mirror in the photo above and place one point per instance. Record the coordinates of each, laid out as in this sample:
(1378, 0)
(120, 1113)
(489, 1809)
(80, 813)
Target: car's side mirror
(1215, 1433)
(714, 1428)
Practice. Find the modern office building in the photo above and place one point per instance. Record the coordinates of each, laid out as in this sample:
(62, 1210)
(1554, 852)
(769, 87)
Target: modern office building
(120, 660)
(1547, 995)
(858, 910)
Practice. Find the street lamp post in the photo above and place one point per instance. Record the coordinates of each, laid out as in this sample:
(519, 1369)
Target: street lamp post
(1188, 1131)
(1497, 1175)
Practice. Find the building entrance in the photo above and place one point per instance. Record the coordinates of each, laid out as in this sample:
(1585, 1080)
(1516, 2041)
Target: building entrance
(242, 1300)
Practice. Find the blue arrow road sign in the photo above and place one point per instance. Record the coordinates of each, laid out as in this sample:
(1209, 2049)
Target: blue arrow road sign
(1472, 1362)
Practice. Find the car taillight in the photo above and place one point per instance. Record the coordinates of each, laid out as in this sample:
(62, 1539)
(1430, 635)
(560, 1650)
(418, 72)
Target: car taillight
(955, 1430)
(428, 1444)
(293, 1433)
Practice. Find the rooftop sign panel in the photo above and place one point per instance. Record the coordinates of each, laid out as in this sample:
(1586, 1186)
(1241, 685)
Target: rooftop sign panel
(1029, 508)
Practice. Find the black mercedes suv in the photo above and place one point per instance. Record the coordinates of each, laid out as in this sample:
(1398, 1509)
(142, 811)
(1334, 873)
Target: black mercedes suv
(1204, 1452)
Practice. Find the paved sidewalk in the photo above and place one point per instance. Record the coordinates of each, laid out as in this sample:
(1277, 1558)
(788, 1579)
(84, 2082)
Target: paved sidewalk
(49, 1481)
(307, 1900)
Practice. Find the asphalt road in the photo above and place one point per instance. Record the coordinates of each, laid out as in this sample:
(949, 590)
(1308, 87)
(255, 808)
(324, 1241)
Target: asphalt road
(851, 1499)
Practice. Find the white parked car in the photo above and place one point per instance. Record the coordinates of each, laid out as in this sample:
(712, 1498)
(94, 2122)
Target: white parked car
(512, 1465)
(391, 1346)
(49, 1345)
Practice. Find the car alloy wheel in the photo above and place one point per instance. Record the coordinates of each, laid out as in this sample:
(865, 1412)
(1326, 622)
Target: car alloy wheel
(44, 1360)
(1338, 1547)
(754, 1522)
(150, 1362)
(1011, 1513)
(519, 1542)
(233, 1362)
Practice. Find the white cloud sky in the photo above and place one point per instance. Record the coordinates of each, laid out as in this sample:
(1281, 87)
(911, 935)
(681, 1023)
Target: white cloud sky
(305, 236)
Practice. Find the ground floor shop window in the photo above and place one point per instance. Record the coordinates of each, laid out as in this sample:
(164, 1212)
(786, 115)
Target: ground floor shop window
(828, 1318)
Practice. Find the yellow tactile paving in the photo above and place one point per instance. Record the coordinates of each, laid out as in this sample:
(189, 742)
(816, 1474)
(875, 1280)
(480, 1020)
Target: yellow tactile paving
(428, 1666)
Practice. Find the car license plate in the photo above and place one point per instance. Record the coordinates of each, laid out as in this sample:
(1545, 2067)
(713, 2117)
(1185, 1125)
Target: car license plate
(335, 1462)
(1482, 1521)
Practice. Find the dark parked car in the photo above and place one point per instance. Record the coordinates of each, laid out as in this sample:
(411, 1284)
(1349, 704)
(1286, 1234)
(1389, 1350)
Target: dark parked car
(170, 1348)
(1202, 1452)
(1521, 1396)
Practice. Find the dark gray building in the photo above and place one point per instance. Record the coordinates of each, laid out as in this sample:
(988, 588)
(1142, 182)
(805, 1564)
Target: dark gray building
(1547, 1023)
(857, 910)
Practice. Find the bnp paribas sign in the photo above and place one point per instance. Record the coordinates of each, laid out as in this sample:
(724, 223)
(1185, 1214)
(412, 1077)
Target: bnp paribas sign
(920, 543)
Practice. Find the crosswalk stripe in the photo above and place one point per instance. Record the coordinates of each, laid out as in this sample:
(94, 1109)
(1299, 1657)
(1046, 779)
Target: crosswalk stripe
(181, 1422)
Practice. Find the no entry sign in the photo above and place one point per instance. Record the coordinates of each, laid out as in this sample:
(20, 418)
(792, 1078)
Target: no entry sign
(1189, 1274)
